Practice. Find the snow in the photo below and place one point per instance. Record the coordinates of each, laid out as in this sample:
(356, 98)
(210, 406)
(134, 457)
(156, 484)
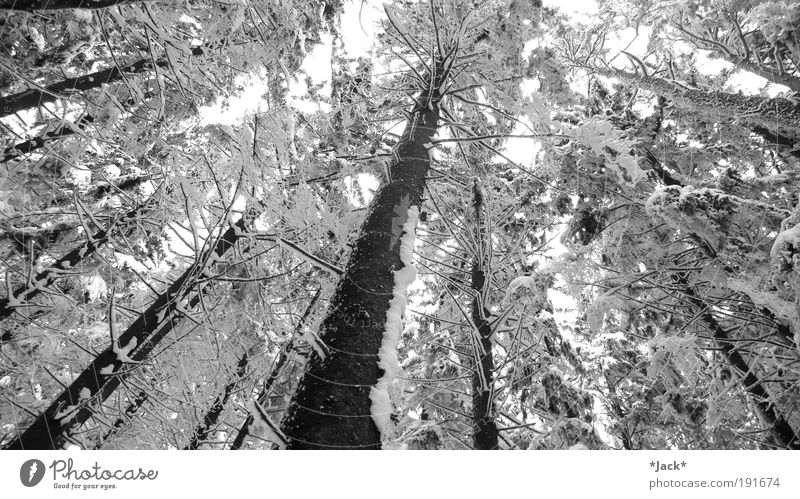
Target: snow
(524, 281)
(525, 289)
(233, 109)
(788, 237)
(65, 415)
(361, 24)
(656, 201)
(263, 426)
(397, 23)
(312, 339)
(13, 300)
(368, 184)
(381, 408)
(94, 286)
(782, 309)
(431, 148)
(107, 371)
(122, 352)
(84, 394)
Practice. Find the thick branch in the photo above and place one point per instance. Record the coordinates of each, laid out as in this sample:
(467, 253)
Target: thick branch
(22, 295)
(34, 5)
(105, 373)
(34, 97)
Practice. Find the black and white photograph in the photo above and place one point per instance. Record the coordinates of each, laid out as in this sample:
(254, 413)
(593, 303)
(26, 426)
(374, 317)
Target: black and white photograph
(452, 225)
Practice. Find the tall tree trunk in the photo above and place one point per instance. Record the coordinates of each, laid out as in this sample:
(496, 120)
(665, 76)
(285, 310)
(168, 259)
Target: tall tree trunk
(101, 378)
(21, 296)
(333, 405)
(34, 97)
(485, 428)
(784, 435)
(33, 5)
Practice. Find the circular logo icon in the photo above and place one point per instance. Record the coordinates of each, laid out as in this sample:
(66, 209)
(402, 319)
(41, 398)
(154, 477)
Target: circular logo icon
(31, 472)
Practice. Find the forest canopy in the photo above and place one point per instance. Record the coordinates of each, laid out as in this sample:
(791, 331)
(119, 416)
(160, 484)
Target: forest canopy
(432, 224)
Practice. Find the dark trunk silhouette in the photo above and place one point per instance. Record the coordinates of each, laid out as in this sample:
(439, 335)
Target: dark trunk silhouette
(484, 426)
(32, 5)
(244, 430)
(28, 146)
(67, 412)
(783, 433)
(331, 407)
(34, 97)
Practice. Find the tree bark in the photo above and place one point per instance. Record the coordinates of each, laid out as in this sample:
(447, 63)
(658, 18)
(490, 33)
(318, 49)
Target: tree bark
(775, 113)
(781, 429)
(34, 97)
(331, 408)
(485, 428)
(33, 5)
(105, 373)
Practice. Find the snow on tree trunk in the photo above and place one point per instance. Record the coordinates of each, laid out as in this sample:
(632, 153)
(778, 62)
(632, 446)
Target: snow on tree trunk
(332, 407)
(381, 409)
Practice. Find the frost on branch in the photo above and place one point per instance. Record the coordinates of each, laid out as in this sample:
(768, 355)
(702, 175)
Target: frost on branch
(601, 136)
(704, 214)
(676, 359)
(263, 427)
(381, 408)
(605, 306)
(528, 290)
(785, 256)
(718, 222)
(569, 433)
(586, 223)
